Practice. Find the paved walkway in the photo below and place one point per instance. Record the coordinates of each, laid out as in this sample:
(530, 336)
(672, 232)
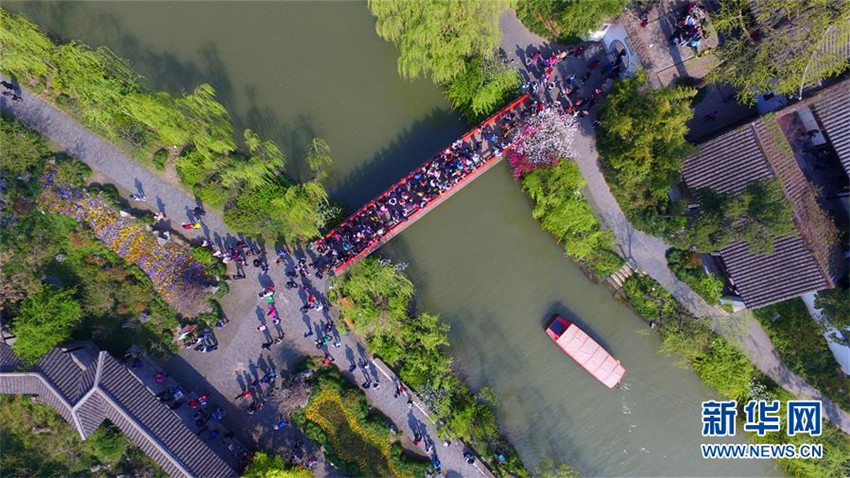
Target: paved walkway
(223, 374)
(649, 252)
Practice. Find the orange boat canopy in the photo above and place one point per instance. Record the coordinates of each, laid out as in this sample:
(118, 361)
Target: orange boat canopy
(586, 351)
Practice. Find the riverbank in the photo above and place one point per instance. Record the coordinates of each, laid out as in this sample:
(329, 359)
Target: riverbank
(649, 253)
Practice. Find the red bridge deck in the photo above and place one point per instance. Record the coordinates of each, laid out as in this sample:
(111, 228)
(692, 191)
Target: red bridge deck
(486, 135)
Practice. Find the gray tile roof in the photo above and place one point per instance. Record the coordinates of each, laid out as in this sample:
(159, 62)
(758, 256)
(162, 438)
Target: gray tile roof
(86, 386)
(764, 279)
(728, 164)
(832, 109)
(9, 362)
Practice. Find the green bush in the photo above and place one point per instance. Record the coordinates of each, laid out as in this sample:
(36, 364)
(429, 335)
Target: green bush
(563, 211)
(160, 157)
(800, 343)
(718, 362)
(687, 266)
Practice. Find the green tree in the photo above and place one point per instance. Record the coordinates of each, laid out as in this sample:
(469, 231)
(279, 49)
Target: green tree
(834, 305)
(565, 20)
(319, 158)
(641, 145)
(265, 466)
(548, 469)
(562, 210)
(780, 45)
(379, 295)
(437, 37)
(26, 51)
(20, 148)
(452, 42)
(759, 215)
(47, 319)
(262, 167)
(486, 84)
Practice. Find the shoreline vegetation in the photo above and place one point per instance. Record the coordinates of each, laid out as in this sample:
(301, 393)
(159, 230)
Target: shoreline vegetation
(375, 299)
(194, 131)
(721, 365)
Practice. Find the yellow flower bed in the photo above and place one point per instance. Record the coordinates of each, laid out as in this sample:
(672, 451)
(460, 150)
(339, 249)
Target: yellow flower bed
(353, 443)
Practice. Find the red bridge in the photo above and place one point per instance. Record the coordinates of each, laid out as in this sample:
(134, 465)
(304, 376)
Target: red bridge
(423, 189)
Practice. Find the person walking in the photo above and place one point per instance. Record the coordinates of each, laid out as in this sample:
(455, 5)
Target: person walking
(138, 197)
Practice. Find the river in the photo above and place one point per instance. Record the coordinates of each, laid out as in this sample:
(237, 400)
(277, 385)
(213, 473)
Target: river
(292, 71)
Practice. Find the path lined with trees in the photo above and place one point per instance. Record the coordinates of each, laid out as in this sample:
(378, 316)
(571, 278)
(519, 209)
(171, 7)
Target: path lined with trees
(239, 343)
(648, 252)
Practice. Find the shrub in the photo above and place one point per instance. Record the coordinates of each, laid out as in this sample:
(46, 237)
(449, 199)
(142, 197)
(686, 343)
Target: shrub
(687, 266)
(160, 157)
(47, 319)
(800, 343)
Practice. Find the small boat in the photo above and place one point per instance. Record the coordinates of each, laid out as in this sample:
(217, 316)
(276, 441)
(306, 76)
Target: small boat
(584, 350)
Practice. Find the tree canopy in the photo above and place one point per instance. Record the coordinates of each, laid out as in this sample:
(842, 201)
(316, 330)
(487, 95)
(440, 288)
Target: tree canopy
(47, 319)
(21, 150)
(452, 42)
(641, 144)
(562, 210)
(834, 305)
(566, 20)
(436, 37)
(758, 215)
(780, 44)
(265, 466)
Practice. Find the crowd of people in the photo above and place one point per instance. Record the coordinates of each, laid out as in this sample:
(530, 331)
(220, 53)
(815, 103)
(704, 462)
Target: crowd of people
(688, 29)
(419, 189)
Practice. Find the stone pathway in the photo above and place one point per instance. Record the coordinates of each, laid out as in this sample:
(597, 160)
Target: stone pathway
(239, 359)
(649, 252)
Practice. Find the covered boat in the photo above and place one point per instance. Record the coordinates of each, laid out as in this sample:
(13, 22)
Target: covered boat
(584, 350)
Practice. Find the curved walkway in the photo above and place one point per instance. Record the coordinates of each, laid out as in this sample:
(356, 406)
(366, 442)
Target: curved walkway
(239, 355)
(649, 252)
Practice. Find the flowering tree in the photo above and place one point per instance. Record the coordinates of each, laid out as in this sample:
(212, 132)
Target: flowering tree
(175, 274)
(540, 140)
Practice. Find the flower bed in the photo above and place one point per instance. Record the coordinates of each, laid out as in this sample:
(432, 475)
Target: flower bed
(352, 442)
(175, 274)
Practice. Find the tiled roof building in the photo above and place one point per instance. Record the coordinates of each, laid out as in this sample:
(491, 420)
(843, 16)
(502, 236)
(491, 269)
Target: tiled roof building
(729, 163)
(87, 386)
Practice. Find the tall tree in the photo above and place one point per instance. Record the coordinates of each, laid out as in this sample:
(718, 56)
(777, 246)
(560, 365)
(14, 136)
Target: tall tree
(780, 44)
(758, 216)
(47, 319)
(436, 37)
(565, 20)
(642, 144)
(455, 44)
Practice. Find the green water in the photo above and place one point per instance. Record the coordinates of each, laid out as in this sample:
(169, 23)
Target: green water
(292, 71)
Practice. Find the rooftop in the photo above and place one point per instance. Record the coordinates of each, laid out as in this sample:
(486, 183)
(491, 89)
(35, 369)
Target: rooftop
(729, 163)
(87, 386)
